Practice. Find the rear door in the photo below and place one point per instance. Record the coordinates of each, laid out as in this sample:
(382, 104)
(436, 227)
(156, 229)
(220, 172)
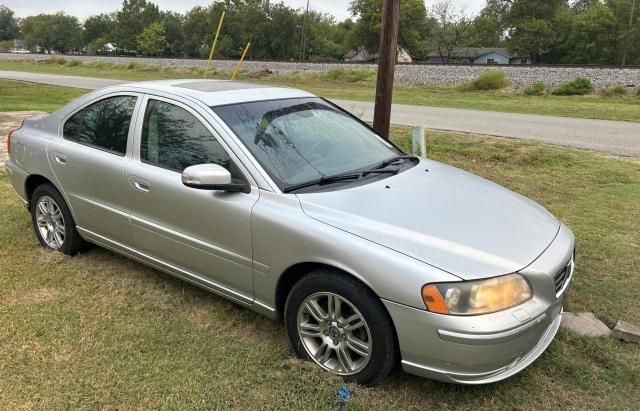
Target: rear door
(202, 235)
(89, 161)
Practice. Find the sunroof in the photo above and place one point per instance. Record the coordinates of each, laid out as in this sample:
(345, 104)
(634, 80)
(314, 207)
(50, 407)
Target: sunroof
(213, 86)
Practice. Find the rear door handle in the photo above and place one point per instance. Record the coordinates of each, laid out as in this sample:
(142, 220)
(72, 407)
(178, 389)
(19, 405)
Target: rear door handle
(60, 158)
(140, 184)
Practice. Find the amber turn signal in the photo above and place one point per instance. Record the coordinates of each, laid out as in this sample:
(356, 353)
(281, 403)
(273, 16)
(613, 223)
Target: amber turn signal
(433, 300)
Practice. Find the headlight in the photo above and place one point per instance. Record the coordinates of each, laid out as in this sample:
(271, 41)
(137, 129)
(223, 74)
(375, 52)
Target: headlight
(477, 297)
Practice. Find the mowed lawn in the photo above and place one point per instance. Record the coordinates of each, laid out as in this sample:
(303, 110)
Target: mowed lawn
(356, 84)
(19, 96)
(101, 331)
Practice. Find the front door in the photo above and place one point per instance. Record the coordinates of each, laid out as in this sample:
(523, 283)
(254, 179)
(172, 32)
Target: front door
(203, 235)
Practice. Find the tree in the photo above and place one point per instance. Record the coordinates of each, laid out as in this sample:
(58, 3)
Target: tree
(453, 28)
(536, 28)
(153, 40)
(99, 26)
(592, 39)
(9, 27)
(412, 32)
(326, 40)
(488, 28)
(5, 45)
(132, 19)
(279, 37)
(627, 15)
(199, 29)
(53, 32)
(173, 23)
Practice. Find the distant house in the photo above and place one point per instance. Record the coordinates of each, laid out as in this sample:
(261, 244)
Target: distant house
(478, 55)
(110, 48)
(362, 55)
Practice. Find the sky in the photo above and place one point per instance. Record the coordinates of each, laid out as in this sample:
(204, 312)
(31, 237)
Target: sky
(84, 8)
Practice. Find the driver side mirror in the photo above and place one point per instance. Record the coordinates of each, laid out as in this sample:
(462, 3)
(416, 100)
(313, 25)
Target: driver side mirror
(210, 177)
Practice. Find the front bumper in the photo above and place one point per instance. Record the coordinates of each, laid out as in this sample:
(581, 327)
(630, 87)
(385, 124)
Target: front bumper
(486, 348)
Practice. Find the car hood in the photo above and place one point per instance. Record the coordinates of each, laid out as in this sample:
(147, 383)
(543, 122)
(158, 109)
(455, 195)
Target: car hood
(443, 216)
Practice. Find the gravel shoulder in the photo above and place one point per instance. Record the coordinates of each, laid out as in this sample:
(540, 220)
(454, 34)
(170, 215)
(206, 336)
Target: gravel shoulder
(405, 74)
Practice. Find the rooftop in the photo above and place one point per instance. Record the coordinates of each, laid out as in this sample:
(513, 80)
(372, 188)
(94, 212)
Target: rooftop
(474, 52)
(217, 92)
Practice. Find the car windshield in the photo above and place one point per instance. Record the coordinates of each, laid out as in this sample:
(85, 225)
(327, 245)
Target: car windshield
(304, 139)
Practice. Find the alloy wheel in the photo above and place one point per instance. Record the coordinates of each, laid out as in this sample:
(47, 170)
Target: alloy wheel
(334, 333)
(50, 222)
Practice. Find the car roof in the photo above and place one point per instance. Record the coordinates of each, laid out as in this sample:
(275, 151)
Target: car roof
(218, 92)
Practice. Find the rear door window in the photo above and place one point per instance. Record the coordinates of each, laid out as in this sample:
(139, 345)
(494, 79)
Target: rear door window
(103, 125)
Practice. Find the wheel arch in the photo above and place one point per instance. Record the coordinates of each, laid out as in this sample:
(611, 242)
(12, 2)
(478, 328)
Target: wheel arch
(33, 181)
(296, 272)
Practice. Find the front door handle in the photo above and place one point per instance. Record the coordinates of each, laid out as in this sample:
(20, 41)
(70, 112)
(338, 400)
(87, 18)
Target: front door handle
(60, 158)
(140, 184)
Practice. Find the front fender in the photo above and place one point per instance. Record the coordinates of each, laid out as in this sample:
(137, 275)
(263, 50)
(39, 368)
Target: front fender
(283, 236)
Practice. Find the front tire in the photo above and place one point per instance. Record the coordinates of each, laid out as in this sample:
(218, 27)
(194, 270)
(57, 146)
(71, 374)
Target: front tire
(341, 325)
(53, 222)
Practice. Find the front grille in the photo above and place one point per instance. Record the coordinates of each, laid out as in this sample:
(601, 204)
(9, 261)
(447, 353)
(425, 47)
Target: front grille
(562, 276)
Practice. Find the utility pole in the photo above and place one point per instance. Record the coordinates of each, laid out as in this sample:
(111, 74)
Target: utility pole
(626, 45)
(303, 41)
(387, 57)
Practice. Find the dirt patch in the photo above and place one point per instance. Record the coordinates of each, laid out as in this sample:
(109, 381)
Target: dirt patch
(10, 120)
(33, 297)
(199, 318)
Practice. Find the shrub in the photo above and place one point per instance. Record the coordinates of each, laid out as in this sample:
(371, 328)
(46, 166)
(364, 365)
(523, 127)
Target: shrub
(615, 90)
(98, 64)
(259, 74)
(535, 89)
(577, 87)
(73, 62)
(56, 60)
(135, 66)
(350, 75)
(6, 45)
(488, 80)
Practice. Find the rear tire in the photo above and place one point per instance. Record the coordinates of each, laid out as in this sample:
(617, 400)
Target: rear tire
(52, 221)
(338, 323)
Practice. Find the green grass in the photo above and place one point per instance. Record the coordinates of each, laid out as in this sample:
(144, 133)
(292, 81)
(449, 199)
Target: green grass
(360, 85)
(101, 331)
(18, 96)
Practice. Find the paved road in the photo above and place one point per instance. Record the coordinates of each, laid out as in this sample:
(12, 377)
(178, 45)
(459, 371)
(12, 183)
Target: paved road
(615, 137)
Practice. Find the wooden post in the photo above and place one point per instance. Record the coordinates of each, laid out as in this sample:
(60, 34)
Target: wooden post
(213, 46)
(386, 66)
(244, 54)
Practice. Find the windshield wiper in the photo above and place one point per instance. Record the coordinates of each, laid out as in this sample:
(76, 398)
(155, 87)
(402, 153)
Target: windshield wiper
(392, 160)
(336, 178)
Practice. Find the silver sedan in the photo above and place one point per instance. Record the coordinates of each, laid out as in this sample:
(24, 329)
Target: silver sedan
(286, 204)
